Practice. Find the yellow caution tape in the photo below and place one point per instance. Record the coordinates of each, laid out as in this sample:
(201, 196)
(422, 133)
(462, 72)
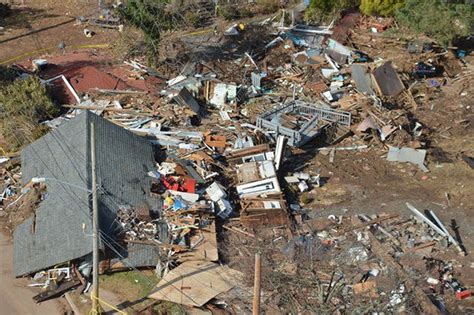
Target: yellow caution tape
(95, 312)
(35, 52)
(24, 55)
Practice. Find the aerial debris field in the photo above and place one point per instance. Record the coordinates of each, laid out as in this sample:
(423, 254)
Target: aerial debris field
(338, 156)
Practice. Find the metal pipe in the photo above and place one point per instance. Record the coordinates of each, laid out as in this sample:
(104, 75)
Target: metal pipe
(425, 219)
(450, 238)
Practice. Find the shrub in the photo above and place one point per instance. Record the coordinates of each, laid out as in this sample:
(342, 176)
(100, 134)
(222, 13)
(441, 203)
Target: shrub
(305, 198)
(192, 18)
(128, 44)
(381, 7)
(23, 105)
(7, 75)
(229, 12)
(152, 17)
(5, 10)
(325, 10)
(268, 6)
(442, 20)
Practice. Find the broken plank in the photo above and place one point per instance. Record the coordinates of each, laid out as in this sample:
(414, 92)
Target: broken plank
(235, 229)
(369, 223)
(63, 288)
(109, 109)
(119, 91)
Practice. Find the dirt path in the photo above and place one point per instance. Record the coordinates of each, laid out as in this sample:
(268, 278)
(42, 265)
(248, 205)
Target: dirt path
(15, 297)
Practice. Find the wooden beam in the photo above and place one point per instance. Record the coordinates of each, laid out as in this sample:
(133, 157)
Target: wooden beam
(235, 229)
(110, 109)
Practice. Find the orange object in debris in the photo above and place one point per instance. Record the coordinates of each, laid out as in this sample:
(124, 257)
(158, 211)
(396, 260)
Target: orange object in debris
(366, 288)
(463, 294)
(215, 141)
(382, 25)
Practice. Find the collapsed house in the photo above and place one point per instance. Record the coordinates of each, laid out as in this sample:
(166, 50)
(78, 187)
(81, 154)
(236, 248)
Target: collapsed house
(61, 228)
(234, 171)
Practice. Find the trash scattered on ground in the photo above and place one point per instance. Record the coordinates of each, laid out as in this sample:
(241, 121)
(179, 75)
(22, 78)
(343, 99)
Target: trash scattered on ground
(195, 150)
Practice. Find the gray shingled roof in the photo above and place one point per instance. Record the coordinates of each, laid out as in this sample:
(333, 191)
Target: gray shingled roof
(61, 229)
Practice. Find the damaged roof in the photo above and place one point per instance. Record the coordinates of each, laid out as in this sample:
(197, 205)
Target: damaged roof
(61, 230)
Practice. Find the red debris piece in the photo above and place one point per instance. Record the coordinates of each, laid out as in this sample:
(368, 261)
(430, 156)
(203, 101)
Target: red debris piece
(87, 78)
(185, 184)
(463, 294)
(189, 185)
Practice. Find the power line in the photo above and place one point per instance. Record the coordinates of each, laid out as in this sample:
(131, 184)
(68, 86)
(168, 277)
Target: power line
(56, 135)
(70, 149)
(151, 284)
(105, 241)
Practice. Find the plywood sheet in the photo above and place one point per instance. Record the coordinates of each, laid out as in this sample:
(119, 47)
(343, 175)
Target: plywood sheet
(206, 248)
(192, 283)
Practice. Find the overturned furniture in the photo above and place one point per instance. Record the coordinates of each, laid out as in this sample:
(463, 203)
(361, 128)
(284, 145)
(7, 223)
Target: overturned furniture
(301, 122)
(262, 201)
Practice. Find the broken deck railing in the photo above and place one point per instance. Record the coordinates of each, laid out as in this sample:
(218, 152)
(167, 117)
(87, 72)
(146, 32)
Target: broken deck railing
(318, 113)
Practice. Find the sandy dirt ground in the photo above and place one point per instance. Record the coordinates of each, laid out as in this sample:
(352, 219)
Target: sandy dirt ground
(15, 297)
(39, 27)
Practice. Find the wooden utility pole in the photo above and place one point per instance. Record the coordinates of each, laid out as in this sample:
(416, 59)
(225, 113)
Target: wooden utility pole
(95, 229)
(256, 286)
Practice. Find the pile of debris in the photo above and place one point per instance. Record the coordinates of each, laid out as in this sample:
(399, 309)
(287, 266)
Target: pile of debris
(378, 263)
(221, 131)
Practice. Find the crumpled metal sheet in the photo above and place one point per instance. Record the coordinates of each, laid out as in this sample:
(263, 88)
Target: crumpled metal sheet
(409, 155)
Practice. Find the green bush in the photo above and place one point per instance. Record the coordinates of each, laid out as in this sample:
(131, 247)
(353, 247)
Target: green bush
(5, 10)
(381, 7)
(439, 19)
(325, 10)
(23, 105)
(192, 18)
(152, 17)
(7, 75)
(128, 44)
(305, 198)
